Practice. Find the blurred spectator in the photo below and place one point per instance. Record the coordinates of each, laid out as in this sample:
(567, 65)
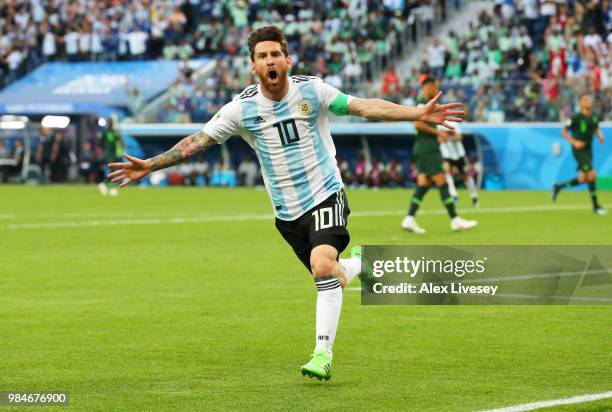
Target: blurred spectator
(90, 166)
(391, 82)
(247, 171)
(43, 154)
(345, 170)
(5, 157)
(16, 158)
(376, 177)
(362, 171)
(59, 158)
(395, 177)
(135, 100)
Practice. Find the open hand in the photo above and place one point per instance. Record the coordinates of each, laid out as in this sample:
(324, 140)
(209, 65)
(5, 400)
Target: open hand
(578, 144)
(130, 171)
(441, 114)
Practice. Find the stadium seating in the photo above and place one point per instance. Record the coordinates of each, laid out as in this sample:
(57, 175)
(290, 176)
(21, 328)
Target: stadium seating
(546, 56)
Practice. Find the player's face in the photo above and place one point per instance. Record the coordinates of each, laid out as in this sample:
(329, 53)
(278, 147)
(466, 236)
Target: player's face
(586, 104)
(270, 65)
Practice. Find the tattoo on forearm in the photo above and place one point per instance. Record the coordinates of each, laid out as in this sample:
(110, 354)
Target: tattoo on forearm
(182, 151)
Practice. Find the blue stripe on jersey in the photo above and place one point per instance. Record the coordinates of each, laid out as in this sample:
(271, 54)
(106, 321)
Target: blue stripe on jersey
(295, 163)
(249, 117)
(328, 165)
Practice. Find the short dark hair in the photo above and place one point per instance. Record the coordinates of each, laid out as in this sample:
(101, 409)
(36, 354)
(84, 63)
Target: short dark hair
(268, 33)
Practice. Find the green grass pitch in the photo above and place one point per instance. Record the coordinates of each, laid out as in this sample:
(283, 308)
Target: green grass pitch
(188, 299)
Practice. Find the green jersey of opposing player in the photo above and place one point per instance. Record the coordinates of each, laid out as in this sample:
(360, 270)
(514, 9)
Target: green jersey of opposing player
(430, 166)
(427, 149)
(112, 144)
(583, 126)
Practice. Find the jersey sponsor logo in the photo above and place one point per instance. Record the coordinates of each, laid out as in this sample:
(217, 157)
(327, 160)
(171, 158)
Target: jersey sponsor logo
(304, 107)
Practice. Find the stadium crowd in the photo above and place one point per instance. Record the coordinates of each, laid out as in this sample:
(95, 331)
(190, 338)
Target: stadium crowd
(342, 42)
(526, 61)
(338, 40)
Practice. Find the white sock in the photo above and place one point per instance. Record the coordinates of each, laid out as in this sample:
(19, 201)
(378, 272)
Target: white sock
(329, 304)
(352, 267)
(451, 185)
(471, 187)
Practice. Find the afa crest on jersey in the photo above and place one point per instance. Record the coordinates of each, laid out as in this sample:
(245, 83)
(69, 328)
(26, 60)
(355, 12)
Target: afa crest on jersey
(304, 107)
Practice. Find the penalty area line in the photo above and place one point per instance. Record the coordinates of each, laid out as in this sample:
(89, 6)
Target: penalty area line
(556, 402)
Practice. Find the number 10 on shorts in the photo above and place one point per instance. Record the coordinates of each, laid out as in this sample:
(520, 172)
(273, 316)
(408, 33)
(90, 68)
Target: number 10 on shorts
(327, 217)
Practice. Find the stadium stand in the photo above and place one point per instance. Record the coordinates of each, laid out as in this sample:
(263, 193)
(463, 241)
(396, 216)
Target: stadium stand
(525, 61)
(521, 60)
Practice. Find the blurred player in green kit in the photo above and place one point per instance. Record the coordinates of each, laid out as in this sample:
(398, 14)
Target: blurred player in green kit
(112, 145)
(583, 126)
(430, 166)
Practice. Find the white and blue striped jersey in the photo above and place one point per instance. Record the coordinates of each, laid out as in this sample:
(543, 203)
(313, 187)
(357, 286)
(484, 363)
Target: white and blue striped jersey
(291, 138)
(453, 148)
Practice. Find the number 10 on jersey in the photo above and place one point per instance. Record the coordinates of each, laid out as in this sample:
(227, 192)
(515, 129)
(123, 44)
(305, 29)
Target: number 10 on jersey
(287, 134)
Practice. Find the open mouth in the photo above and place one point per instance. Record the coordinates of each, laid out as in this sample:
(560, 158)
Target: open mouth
(272, 74)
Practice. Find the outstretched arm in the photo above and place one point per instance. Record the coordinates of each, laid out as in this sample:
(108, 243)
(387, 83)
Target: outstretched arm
(432, 112)
(137, 168)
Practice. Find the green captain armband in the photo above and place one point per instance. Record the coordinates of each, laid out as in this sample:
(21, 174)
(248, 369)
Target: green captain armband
(339, 107)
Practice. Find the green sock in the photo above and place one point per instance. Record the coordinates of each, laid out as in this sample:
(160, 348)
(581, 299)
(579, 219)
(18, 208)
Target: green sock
(417, 198)
(447, 200)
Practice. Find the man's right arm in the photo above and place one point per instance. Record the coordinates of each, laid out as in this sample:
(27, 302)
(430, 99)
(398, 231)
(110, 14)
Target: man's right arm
(217, 130)
(183, 150)
(565, 132)
(135, 169)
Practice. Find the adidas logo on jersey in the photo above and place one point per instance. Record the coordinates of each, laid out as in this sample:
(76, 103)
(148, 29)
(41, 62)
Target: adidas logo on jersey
(259, 120)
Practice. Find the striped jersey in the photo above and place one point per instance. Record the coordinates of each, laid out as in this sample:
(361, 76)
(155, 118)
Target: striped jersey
(291, 138)
(453, 148)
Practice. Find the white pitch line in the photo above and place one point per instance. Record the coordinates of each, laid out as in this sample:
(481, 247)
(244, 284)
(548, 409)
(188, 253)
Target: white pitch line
(556, 402)
(258, 217)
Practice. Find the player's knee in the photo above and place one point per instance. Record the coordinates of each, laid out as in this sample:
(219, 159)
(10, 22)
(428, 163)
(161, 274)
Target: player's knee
(323, 266)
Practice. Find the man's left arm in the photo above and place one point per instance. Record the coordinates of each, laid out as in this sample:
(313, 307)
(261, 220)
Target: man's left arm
(432, 112)
(600, 135)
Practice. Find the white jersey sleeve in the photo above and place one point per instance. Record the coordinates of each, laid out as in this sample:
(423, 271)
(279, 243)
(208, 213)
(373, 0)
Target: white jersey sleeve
(332, 99)
(226, 123)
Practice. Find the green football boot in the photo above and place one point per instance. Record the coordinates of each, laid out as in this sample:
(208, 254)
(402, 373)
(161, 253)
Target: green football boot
(319, 366)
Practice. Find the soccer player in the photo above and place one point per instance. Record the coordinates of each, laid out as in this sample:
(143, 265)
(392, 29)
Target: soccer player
(430, 165)
(285, 120)
(583, 126)
(453, 154)
(112, 145)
